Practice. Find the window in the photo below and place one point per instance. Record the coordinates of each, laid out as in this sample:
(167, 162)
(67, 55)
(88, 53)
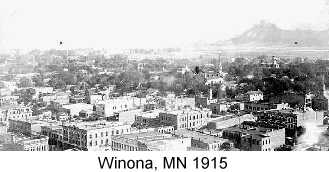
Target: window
(101, 142)
(117, 132)
(106, 134)
(95, 143)
(90, 136)
(90, 143)
(96, 135)
(101, 134)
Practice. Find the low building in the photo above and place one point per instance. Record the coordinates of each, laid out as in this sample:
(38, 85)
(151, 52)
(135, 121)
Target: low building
(202, 141)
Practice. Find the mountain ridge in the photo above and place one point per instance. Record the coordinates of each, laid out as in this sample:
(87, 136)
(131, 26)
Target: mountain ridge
(267, 34)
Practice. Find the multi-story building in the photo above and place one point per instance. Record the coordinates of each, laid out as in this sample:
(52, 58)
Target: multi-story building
(42, 90)
(189, 118)
(55, 135)
(291, 120)
(115, 105)
(8, 100)
(62, 98)
(20, 126)
(32, 143)
(255, 139)
(150, 141)
(15, 112)
(94, 135)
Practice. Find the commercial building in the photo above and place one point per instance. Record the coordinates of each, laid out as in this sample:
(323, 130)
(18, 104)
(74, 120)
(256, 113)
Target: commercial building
(55, 135)
(189, 118)
(93, 135)
(32, 143)
(8, 100)
(62, 98)
(15, 112)
(255, 139)
(119, 104)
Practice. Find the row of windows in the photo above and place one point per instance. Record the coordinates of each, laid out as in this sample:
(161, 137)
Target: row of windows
(38, 148)
(191, 124)
(123, 147)
(96, 143)
(114, 132)
(125, 106)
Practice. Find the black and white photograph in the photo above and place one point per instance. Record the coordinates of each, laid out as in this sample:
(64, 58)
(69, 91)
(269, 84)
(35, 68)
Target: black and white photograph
(184, 76)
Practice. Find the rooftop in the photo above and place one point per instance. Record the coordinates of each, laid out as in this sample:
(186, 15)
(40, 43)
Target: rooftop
(144, 137)
(150, 114)
(199, 136)
(260, 131)
(93, 125)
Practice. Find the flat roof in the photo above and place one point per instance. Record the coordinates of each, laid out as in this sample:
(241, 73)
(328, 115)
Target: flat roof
(145, 137)
(93, 125)
(150, 114)
(260, 131)
(199, 136)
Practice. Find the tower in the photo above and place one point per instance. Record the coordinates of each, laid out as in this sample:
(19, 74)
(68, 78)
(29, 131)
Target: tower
(220, 68)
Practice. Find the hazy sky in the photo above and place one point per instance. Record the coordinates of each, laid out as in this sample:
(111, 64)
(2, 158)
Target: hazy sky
(145, 23)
